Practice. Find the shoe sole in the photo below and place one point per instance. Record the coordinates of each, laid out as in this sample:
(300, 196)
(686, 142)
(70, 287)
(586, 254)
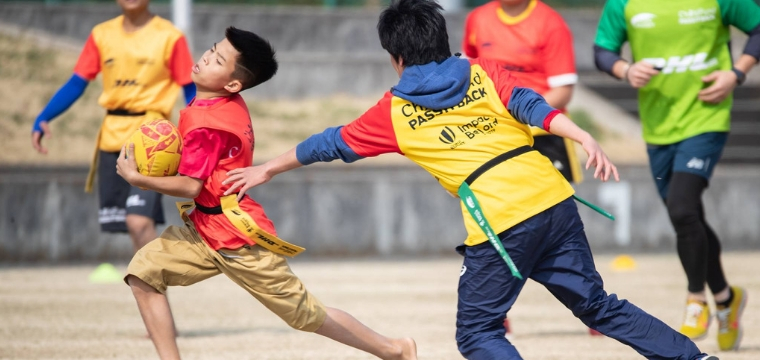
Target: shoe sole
(739, 324)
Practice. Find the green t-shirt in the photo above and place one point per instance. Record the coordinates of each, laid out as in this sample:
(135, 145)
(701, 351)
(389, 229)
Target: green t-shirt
(688, 39)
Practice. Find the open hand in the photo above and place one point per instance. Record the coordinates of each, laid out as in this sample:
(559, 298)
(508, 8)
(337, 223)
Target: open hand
(244, 179)
(598, 159)
(723, 82)
(38, 135)
(126, 166)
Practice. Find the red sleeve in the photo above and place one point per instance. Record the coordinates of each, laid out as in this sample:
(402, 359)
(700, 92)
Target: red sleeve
(558, 55)
(88, 65)
(502, 79)
(203, 149)
(181, 62)
(372, 133)
(468, 40)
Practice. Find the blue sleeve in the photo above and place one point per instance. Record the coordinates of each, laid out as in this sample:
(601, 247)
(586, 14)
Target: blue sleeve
(605, 60)
(325, 146)
(752, 48)
(61, 101)
(189, 91)
(528, 107)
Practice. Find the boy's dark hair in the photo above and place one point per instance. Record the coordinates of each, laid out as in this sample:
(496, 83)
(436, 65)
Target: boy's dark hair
(414, 30)
(256, 62)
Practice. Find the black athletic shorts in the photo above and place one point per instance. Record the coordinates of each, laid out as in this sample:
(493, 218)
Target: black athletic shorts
(118, 198)
(556, 149)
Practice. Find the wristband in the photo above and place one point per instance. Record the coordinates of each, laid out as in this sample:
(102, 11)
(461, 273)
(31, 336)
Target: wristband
(625, 72)
(740, 76)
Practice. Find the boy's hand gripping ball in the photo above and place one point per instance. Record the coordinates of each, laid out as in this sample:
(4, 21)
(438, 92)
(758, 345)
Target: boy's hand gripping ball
(158, 148)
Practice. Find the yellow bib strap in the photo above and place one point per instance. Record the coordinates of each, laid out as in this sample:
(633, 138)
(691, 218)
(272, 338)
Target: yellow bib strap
(183, 207)
(89, 184)
(243, 222)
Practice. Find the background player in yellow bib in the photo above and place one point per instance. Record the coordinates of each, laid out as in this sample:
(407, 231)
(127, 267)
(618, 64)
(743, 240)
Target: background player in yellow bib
(144, 60)
(467, 123)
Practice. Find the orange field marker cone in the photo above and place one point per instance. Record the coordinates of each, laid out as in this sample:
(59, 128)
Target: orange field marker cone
(623, 263)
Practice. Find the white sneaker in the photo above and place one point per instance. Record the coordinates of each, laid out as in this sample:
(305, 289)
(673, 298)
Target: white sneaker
(709, 357)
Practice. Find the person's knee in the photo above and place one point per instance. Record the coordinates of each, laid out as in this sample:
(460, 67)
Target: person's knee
(684, 201)
(600, 310)
(308, 320)
(139, 286)
(683, 213)
(139, 224)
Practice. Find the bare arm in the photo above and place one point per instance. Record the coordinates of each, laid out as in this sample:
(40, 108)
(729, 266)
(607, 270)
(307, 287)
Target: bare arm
(248, 177)
(180, 186)
(561, 125)
(559, 97)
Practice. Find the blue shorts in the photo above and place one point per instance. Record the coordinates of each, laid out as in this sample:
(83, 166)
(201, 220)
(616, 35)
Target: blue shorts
(551, 249)
(696, 155)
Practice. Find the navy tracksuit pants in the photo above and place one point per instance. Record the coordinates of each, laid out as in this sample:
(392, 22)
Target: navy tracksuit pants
(551, 248)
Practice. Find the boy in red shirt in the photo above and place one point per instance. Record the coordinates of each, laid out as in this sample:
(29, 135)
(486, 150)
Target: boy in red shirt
(218, 136)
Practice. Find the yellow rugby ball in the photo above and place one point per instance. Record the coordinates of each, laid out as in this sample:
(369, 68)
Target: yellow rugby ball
(158, 148)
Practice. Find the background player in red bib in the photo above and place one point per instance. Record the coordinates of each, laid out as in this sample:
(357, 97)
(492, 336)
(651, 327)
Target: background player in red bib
(143, 60)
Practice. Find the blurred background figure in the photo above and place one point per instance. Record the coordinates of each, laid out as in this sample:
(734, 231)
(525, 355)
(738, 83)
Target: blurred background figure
(685, 74)
(144, 61)
(532, 40)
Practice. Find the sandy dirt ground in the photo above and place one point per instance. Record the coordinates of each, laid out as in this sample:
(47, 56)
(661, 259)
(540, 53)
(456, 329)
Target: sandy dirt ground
(55, 313)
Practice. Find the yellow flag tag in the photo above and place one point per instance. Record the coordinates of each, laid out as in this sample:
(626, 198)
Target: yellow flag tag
(243, 222)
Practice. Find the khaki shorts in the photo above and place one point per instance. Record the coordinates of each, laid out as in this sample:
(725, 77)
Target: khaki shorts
(180, 257)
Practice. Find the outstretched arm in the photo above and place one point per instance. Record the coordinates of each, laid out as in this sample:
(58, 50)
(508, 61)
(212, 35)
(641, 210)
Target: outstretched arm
(248, 177)
(326, 146)
(370, 135)
(530, 108)
(561, 125)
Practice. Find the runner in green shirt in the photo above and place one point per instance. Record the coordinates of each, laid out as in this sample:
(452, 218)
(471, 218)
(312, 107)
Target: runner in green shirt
(683, 69)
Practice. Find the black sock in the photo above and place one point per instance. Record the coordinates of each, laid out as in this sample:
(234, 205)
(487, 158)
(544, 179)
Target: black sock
(728, 301)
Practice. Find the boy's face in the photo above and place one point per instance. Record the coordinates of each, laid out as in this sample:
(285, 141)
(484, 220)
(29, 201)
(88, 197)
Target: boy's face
(213, 72)
(133, 5)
